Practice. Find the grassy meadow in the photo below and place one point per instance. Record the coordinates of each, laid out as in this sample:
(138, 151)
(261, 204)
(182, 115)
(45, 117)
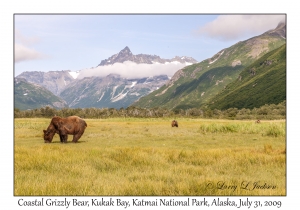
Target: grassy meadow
(146, 156)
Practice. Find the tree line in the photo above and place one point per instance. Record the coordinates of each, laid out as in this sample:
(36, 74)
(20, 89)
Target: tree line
(267, 112)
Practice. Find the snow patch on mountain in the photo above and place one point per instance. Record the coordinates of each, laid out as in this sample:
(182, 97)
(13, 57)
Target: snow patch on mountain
(133, 84)
(211, 62)
(134, 94)
(114, 90)
(74, 74)
(119, 97)
(101, 96)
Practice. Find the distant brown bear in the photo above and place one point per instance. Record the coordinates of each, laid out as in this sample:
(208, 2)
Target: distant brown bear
(174, 123)
(257, 121)
(72, 125)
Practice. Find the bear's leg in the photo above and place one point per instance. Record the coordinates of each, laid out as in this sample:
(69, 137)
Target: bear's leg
(76, 137)
(65, 138)
(61, 138)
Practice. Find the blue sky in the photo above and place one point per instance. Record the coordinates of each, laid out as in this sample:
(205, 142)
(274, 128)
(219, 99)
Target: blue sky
(75, 42)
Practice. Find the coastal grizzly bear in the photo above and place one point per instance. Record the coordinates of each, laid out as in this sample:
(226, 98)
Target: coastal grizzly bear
(174, 123)
(72, 125)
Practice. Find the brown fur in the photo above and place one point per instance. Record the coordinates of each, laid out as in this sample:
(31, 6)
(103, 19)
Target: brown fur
(174, 123)
(72, 125)
(257, 121)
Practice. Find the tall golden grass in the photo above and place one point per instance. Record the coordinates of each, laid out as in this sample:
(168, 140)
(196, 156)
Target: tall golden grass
(129, 156)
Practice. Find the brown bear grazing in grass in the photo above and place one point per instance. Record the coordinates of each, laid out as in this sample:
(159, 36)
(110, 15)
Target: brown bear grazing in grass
(174, 123)
(72, 125)
(257, 121)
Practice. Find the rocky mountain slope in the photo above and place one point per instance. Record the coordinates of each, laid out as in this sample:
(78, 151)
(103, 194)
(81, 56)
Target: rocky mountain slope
(55, 81)
(110, 91)
(197, 84)
(263, 82)
(30, 96)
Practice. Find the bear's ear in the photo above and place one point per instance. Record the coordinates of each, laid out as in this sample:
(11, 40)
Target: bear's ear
(44, 131)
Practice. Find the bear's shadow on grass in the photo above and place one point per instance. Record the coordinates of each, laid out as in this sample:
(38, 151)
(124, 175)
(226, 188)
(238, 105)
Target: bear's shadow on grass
(68, 142)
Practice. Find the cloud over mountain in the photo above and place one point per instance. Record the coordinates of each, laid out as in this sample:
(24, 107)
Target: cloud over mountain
(133, 70)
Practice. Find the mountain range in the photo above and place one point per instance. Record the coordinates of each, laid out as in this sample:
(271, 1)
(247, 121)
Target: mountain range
(86, 88)
(197, 85)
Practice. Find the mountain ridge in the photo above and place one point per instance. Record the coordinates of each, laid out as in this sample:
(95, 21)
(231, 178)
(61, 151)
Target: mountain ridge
(195, 85)
(126, 55)
(262, 82)
(31, 96)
